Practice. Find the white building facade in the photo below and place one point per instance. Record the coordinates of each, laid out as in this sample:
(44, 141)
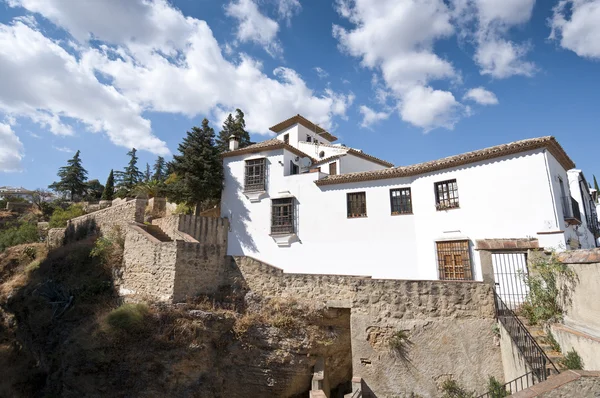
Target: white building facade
(303, 204)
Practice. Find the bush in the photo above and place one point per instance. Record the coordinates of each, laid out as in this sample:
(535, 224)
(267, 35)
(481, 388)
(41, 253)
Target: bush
(572, 360)
(60, 217)
(398, 340)
(109, 248)
(496, 389)
(452, 389)
(16, 235)
(182, 208)
(130, 318)
(551, 341)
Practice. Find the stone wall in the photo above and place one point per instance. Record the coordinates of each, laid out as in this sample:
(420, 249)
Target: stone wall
(448, 324)
(56, 237)
(121, 215)
(199, 269)
(205, 230)
(148, 269)
(18, 207)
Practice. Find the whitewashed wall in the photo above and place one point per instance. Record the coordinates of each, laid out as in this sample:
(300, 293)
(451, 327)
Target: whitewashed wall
(507, 197)
(581, 194)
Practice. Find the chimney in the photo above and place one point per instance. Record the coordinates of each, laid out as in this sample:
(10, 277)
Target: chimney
(233, 143)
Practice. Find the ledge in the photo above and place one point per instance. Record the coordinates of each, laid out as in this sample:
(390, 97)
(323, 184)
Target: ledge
(506, 244)
(255, 196)
(284, 240)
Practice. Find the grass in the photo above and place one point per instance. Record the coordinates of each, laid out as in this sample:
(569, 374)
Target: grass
(129, 318)
(496, 389)
(572, 360)
(551, 341)
(452, 389)
(398, 340)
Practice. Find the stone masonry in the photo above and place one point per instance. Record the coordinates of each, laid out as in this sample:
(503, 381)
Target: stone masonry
(448, 326)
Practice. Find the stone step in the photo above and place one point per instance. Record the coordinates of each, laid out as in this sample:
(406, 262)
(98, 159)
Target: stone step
(158, 233)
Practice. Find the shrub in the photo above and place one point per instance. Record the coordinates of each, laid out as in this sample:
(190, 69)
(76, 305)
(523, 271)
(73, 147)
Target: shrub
(130, 318)
(496, 389)
(60, 217)
(16, 235)
(32, 266)
(452, 389)
(572, 360)
(109, 247)
(551, 341)
(398, 340)
(182, 208)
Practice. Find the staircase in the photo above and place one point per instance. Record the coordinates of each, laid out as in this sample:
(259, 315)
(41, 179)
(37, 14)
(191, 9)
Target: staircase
(543, 340)
(157, 232)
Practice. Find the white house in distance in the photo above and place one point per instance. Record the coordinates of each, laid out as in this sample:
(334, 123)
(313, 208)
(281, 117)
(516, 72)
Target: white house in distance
(306, 205)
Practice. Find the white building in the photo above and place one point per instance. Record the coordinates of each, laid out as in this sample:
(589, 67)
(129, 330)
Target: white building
(7, 192)
(306, 205)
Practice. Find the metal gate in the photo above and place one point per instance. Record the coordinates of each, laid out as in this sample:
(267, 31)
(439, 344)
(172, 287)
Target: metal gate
(509, 270)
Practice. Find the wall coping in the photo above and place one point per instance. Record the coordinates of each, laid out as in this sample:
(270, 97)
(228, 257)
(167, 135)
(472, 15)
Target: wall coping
(555, 382)
(135, 226)
(105, 210)
(581, 256)
(507, 244)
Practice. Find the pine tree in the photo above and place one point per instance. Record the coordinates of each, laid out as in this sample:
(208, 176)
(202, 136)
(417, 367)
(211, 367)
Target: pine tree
(240, 129)
(109, 188)
(160, 170)
(72, 178)
(198, 168)
(229, 128)
(147, 174)
(129, 177)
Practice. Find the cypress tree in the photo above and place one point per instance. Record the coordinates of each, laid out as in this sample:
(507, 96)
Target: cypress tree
(147, 174)
(198, 168)
(72, 178)
(240, 129)
(109, 188)
(160, 170)
(131, 176)
(229, 128)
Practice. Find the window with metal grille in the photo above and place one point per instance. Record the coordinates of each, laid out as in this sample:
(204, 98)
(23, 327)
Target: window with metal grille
(282, 216)
(446, 195)
(255, 175)
(357, 204)
(401, 201)
(454, 260)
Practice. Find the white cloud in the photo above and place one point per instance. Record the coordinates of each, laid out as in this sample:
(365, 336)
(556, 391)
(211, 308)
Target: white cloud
(495, 54)
(253, 26)
(428, 108)
(11, 150)
(322, 73)
(396, 37)
(288, 8)
(371, 116)
(579, 31)
(148, 64)
(63, 149)
(481, 96)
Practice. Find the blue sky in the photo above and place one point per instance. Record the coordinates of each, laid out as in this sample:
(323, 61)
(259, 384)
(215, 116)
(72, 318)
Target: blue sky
(405, 80)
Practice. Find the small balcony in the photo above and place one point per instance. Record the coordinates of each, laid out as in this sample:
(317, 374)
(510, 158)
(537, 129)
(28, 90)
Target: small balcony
(571, 210)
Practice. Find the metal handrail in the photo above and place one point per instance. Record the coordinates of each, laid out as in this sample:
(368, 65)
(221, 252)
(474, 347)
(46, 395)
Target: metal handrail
(513, 386)
(526, 344)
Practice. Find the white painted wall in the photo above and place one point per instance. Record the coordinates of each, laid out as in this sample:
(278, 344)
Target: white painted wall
(351, 164)
(507, 197)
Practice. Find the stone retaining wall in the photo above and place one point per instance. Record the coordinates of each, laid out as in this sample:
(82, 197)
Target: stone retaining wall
(449, 326)
(206, 230)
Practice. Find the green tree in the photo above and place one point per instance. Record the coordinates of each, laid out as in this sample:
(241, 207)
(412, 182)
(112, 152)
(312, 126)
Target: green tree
(160, 170)
(72, 179)
(147, 174)
(229, 128)
(198, 168)
(93, 190)
(129, 177)
(240, 129)
(109, 188)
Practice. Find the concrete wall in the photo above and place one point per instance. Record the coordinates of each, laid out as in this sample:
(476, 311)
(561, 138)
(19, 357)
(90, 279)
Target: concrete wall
(586, 345)
(449, 325)
(513, 362)
(495, 202)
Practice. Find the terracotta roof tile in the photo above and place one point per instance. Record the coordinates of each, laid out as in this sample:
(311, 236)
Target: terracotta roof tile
(458, 160)
(361, 154)
(267, 145)
(299, 119)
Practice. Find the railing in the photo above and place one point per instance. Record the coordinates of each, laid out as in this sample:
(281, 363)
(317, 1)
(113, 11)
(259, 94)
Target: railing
(513, 386)
(530, 350)
(571, 212)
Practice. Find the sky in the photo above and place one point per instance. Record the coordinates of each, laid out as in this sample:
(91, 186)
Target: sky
(407, 81)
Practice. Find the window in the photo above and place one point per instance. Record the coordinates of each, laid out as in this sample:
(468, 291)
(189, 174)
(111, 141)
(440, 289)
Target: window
(454, 260)
(332, 169)
(255, 175)
(446, 195)
(294, 169)
(401, 201)
(322, 154)
(282, 216)
(357, 204)
(308, 138)
(286, 138)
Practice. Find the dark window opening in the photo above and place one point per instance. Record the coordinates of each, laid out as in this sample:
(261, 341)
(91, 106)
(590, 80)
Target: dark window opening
(282, 216)
(322, 154)
(454, 260)
(286, 138)
(332, 168)
(294, 169)
(357, 204)
(446, 195)
(401, 201)
(255, 175)
(308, 138)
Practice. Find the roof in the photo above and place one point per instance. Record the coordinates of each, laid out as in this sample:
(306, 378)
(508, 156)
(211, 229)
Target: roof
(360, 154)
(299, 119)
(268, 145)
(328, 159)
(458, 160)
